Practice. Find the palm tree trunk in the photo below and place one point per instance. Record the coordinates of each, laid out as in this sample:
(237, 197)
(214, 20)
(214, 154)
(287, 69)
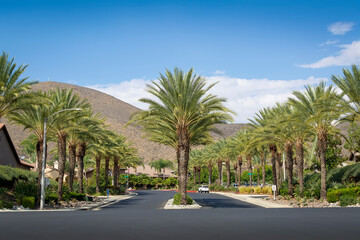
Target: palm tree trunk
(235, 171)
(289, 167)
(263, 161)
(227, 164)
(98, 161)
(194, 175)
(72, 162)
(62, 160)
(107, 163)
(116, 172)
(248, 159)
(80, 160)
(278, 166)
(183, 161)
(219, 163)
(210, 173)
(240, 165)
(322, 144)
(300, 163)
(273, 150)
(199, 174)
(39, 157)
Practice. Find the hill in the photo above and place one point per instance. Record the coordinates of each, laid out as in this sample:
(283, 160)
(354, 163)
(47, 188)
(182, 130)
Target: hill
(117, 113)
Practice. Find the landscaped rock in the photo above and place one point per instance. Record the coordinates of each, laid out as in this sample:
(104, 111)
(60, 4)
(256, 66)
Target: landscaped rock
(170, 205)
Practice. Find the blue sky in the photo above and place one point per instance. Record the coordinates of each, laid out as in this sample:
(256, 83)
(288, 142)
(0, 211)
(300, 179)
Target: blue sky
(119, 46)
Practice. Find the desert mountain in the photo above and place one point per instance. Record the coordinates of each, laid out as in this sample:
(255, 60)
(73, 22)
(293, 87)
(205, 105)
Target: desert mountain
(117, 113)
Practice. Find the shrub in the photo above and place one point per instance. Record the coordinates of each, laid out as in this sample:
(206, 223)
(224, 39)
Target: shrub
(51, 198)
(346, 200)
(28, 202)
(349, 173)
(9, 176)
(23, 189)
(6, 204)
(334, 195)
(73, 195)
(177, 199)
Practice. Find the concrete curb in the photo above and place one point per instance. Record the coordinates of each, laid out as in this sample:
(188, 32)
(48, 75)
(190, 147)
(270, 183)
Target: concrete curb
(252, 200)
(169, 206)
(94, 206)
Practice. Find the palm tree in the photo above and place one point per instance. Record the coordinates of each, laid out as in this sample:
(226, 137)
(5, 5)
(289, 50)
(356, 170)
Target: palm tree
(93, 130)
(32, 118)
(161, 164)
(63, 122)
(183, 116)
(350, 86)
(322, 107)
(13, 88)
(264, 134)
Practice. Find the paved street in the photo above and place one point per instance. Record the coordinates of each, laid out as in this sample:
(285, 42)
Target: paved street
(142, 217)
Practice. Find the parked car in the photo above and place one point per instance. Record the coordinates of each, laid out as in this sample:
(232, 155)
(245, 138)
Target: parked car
(203, 188)
(234, 185)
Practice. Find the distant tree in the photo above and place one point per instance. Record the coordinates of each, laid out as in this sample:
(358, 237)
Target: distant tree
(161, 164)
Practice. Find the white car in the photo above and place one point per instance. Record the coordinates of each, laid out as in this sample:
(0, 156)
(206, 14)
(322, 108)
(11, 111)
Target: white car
(203, 188)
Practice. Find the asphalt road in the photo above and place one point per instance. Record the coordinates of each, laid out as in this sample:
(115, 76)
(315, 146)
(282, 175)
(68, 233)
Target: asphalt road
(142, 217)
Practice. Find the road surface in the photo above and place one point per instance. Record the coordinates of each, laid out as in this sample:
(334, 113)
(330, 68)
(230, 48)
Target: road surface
(142, 217)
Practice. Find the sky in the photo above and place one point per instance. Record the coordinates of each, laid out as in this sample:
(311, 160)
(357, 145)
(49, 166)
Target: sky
(258, 51)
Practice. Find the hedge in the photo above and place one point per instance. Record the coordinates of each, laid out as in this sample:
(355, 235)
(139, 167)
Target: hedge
(333, 195)
(9, 176)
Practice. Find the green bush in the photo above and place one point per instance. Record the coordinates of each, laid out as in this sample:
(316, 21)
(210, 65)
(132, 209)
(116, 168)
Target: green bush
(346, 200)
(177, 199)
(25, 189)
(9, 176)
(333, 195)
(349, 173)
(6, 204)
(51, 198)
(28, 202)
(73, 195)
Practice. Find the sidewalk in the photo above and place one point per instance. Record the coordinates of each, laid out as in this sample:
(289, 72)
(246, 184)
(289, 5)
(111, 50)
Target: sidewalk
(105, 201)
(253, 199)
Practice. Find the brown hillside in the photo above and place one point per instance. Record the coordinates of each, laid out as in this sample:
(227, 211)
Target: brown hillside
(117, 114)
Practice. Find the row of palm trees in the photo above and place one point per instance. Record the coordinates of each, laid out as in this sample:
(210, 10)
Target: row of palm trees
(77, 133)
(303, 121)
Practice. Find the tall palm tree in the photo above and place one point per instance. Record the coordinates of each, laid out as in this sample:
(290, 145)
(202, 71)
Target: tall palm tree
(322, 106)
(92, 131)
(32, 118)
(13, 88)
(63, 122)
(265, 135)
(182, 116)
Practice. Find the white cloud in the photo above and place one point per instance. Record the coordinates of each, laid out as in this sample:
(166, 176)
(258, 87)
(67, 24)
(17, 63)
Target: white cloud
(244, 96)
(329, 42)
(247, 96)
(219, 72)
(127, 91)
(340, 28)
(349, 54)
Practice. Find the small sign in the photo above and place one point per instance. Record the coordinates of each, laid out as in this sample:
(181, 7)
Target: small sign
(250, 173)
(126, 175)
(47, 182)
(273, 188)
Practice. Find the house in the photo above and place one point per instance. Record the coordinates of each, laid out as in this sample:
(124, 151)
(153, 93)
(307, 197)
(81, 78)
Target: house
(8, 154)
